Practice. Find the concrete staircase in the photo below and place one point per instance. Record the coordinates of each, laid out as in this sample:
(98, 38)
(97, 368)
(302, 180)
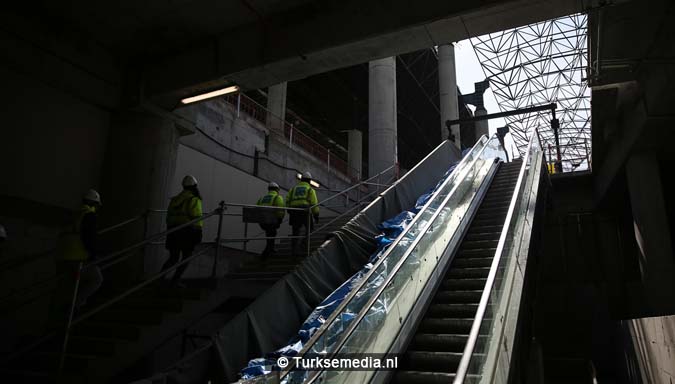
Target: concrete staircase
(112, 340)
(282, 262)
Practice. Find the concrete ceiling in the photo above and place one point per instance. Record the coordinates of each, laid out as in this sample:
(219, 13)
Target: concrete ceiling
(162, 50)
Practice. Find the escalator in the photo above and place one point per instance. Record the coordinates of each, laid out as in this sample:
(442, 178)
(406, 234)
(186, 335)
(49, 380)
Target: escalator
(437, 346)
(445, 297)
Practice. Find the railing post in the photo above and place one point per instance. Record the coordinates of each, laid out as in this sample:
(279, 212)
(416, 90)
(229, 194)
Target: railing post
(221, 210)
(238, 103)
(290, 136)
(245, 236)
(328, 161)
(309, 230)
(71, 312)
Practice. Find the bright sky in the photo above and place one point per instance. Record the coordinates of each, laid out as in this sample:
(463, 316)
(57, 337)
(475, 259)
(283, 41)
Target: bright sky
(469, 72)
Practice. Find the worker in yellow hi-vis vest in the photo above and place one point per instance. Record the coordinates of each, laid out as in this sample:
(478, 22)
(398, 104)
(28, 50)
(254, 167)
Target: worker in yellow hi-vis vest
(78, 245)
(271, 199)
(302, 196)
(183, 208)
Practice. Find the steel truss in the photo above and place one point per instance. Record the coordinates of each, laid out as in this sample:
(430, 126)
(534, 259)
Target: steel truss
(539, 64)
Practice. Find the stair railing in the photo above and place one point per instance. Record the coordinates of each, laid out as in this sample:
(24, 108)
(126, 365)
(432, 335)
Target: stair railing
(118, 256)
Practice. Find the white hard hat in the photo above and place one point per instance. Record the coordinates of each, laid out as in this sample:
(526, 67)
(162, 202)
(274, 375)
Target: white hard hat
(307, 175)
(92, 195)
(272, 185)
(189, 181)
(3, 233)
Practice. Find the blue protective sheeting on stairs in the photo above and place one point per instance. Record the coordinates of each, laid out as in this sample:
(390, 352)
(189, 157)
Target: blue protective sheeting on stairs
(391, 229)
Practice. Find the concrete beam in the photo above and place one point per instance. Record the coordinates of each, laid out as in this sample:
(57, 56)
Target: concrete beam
(318, 38)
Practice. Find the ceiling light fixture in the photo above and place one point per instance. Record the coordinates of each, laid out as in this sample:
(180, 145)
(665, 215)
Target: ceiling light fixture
(210, 95)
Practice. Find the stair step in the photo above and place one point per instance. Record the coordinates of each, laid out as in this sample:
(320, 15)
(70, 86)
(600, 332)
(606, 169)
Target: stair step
(126, 316)
(155, 303)
(91, 346)
(113, 330)
(452, 310)
(162, 291)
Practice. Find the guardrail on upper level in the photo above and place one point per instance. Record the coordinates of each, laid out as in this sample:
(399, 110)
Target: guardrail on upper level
(292, 134)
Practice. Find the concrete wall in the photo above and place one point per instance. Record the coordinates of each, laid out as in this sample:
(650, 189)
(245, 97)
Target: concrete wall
(244, 135)
(51, 151)
(52, 143)
(654, 343)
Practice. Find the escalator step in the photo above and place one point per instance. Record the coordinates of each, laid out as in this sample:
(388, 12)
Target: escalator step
(485, 228)
(439, 342)
(421, 377)
(458, 297)
(479, 244)
(446, 325)
(468, 272)
(473, 262)
(432, 361)
(464, 284)
(489, 221)
(472, 253)
(452, 310)
(483, 236)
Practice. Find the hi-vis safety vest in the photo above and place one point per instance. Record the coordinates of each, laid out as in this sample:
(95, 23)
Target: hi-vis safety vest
(70, 243)
(273, 199)
(303, 196)
(183, 208)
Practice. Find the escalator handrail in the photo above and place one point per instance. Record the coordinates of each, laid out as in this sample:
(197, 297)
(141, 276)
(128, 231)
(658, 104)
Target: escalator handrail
(485, 296)
(464, 166)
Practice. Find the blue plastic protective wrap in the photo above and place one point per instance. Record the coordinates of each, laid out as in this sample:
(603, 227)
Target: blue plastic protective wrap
(390, 230)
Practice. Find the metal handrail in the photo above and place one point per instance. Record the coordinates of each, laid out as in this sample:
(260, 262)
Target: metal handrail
(485, 297)
(50, 252)
(336, 312)
(360, 183)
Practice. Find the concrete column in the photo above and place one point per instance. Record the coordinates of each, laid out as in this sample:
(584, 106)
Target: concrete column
(355, 153)
(382, 119)
(652, 231)
(447, 87)
(139, 166)
(482, 126)
(276, 104)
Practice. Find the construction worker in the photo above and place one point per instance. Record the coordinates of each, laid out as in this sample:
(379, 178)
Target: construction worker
(272, 199)
(79, 247)
(302, 196)
(183, 208)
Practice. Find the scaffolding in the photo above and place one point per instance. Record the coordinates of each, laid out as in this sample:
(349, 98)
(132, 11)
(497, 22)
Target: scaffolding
(539, 64)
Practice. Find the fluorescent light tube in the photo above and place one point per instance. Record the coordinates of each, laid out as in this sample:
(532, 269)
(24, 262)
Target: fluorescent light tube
(210, 95)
